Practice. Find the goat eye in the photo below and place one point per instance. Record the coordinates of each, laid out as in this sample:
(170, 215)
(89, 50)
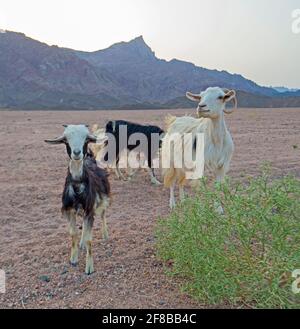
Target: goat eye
(220, 97)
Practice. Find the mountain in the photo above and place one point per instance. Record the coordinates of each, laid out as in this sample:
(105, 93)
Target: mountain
(285, 90)
(156, 80)
(34, 75)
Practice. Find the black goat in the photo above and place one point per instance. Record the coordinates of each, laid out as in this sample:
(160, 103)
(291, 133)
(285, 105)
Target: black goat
(150, 148)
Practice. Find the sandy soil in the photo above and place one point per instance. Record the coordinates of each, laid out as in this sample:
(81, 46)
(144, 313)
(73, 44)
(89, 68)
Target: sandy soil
(34, 243)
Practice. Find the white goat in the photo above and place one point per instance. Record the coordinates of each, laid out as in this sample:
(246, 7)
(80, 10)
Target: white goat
(218, 147)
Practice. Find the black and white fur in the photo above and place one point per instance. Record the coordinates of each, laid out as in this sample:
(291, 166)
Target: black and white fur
(113, 128)
(86, 191)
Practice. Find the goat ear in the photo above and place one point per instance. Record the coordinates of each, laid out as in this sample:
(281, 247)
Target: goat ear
(193, 97)
(230, 94)
(58, 140)
(91, 139)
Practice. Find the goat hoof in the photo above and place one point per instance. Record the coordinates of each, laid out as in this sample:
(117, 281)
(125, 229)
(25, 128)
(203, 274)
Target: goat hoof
(89, 270)
(156, 183)
(73, 263)
(172, 205)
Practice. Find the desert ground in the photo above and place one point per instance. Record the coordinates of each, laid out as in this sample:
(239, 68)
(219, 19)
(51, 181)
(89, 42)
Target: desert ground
(34, 242)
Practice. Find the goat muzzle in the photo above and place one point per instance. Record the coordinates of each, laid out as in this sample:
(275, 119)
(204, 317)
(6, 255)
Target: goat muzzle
(201, 110)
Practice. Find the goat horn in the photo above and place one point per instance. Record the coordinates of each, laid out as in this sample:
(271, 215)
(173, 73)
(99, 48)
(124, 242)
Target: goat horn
(234, 108)
(234, 100)
(225, 90)
(57, 140)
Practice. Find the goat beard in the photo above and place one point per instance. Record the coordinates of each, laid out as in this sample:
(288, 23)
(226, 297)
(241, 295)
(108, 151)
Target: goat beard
(76, 169)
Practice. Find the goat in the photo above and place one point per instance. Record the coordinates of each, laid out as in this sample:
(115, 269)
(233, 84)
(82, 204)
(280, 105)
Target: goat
(218, 147)
(99, 149)
(86, 190)
(113, 130)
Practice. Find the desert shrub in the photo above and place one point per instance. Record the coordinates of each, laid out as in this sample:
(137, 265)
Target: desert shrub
(244, 257)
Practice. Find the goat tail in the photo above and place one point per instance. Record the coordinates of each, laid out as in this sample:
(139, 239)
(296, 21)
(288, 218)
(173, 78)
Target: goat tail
(169, 120)
(169, 177)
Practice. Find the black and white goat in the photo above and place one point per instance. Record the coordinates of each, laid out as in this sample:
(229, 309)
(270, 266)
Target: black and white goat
(146, 138)
(86, 190)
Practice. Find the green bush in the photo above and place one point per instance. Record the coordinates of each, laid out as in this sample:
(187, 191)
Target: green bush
(243, 258)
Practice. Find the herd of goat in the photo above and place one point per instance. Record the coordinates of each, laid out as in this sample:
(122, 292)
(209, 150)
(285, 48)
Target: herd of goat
(87, 188)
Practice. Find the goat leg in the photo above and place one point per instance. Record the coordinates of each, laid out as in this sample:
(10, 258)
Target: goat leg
(154, 180)
(172, 202)
(220, 175)
(87, 240)
(71, 214)
(104, 226)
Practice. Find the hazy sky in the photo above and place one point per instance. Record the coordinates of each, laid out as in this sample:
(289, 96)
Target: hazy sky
(250, 37)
